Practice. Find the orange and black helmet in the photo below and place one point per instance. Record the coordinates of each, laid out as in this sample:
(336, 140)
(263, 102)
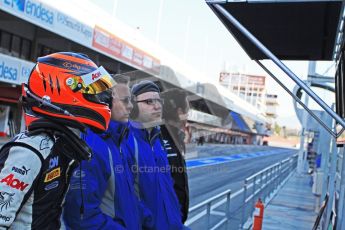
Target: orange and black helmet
(64, 87)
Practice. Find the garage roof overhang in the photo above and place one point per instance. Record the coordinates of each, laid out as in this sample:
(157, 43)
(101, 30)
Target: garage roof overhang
(291, 30)
(287, 30)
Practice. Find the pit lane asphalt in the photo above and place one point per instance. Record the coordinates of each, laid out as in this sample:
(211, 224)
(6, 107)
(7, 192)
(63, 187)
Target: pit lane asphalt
(217, 168)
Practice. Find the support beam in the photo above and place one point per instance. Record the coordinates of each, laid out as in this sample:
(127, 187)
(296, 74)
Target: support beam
(281, 65)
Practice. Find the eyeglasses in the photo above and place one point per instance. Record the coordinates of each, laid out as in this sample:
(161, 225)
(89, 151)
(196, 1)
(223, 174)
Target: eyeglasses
(152, 101)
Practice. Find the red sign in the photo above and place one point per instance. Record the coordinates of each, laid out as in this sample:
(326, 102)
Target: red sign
(256, 80)
(242, 79)
(96, 75)
(110, 44)
(14, 183)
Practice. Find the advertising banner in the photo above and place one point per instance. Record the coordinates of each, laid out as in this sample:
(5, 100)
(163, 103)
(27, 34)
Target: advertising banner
(97, 38)
(111, 44)
(13, 70)
(73, 29)
(31, 10)
(50, 19)
(242, 79)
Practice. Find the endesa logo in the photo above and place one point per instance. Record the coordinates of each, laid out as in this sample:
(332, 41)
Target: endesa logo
(96, 75)
(38, 11)
(15, 4)
(14, 183)
(8, 72)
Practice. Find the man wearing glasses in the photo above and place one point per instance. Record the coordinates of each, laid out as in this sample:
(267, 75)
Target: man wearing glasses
(108, 187)
(152, 172)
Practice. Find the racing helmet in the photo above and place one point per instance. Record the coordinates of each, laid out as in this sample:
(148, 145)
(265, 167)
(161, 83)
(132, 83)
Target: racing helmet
(64, 87)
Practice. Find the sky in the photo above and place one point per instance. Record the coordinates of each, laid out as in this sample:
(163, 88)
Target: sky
(191, 31)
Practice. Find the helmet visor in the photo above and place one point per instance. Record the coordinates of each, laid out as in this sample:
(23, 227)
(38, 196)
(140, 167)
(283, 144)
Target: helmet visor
(95, 82)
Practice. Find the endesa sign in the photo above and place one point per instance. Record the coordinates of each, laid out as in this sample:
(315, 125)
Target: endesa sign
(66, 25)
(14, 70)
(110, 44)
(33, 10)
(50, 19)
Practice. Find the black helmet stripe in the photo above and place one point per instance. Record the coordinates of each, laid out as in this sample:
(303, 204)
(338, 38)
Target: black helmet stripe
(51, 83)
(77, 68)
(44, 82)
(77, 55)
(58, 85)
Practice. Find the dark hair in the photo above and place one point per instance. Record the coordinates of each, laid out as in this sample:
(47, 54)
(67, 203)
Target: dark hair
(121, 78)
(173, 99)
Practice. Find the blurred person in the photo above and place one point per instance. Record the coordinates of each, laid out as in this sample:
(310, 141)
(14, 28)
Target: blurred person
(108, 185)
(311, 157)
(36, 165)
(175, 114)
(152, 174)
(201, 140)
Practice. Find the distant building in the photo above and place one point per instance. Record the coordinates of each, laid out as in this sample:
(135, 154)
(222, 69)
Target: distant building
(251, 88)
(271, 107)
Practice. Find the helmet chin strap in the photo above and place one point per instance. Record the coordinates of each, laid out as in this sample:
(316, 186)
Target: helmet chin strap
(46, 102)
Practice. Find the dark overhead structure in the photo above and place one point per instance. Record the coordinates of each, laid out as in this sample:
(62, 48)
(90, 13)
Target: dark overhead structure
(289, 30)
(298, 30)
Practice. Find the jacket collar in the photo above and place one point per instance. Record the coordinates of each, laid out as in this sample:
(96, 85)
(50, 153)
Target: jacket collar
(144, 133)
(116, 131)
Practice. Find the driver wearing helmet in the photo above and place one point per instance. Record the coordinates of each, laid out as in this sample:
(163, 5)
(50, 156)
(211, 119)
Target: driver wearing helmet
(35, 167)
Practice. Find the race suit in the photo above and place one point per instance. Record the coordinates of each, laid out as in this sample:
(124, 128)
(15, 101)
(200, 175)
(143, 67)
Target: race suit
(34, 177)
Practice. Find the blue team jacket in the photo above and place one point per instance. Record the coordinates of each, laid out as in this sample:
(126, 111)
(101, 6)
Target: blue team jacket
(108, 188)
(154, 180)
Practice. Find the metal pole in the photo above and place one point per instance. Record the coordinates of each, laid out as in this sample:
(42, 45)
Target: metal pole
(244, 203)
(208, 215)
(253, 197)
(331, 184)
(114, 8)
(296, 98)
(280, 173)
(325, 150)
(276, 177)
(186, 40)
(267, 182)
(261, 185)
(339, 29)
(341, 204)
(159, 21)
(227, 211)
(265, 186)
(271, 181)
(284, 68)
